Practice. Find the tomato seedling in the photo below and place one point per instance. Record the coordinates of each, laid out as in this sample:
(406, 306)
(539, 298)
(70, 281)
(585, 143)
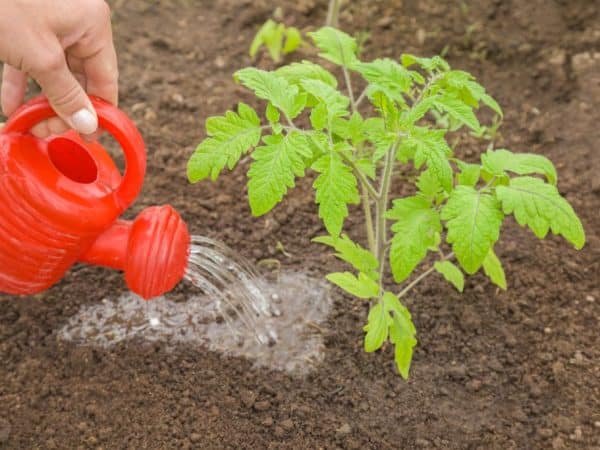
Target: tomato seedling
(356, 159)
(277, 39)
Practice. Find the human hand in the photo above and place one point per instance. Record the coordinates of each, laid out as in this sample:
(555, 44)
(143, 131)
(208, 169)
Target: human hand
(66, 46)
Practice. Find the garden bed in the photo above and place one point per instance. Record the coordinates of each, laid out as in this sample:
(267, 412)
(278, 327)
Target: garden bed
(493, 369)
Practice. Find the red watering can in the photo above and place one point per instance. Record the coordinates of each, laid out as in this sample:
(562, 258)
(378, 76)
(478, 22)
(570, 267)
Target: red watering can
(60, 202)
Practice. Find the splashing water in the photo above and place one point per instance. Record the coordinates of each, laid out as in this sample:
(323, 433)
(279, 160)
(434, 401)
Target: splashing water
(236, 289)
(276, 324)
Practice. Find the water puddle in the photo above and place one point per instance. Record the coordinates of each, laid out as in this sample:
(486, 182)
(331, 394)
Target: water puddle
(283, 331)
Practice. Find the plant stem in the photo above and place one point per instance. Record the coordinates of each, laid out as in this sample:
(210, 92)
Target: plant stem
(382, 201)
(333, 13)
(361, 97)
(366, 201)
(381, 208)
(421, 277)
(349, 86)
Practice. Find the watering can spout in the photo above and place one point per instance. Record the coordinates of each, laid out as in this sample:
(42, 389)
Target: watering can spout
(152, 250)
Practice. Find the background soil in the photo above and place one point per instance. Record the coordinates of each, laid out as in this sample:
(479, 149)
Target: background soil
(516, 369)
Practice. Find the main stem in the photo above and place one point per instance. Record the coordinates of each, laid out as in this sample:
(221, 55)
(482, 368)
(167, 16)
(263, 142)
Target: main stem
(381, 208)
(333, 13)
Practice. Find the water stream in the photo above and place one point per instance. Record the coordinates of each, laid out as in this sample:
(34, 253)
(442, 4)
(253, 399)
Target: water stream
(234, 310)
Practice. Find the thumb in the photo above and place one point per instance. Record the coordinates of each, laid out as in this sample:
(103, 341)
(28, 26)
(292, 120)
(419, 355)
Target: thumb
(66, 95)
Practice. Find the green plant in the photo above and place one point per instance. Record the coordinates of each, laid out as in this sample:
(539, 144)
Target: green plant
(277, 38)
(356, 159)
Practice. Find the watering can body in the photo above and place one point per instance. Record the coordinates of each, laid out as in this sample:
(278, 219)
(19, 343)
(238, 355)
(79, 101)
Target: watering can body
(60, 203)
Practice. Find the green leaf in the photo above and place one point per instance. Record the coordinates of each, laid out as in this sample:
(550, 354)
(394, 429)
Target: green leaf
(459, 111)
(493, 269)
(335, 103)
(492, 104)
(271, 87)
(272, 114)
(367, 167)
(351, 129)
(469, 173)
(375, 132)
(336, 187)
(274, 169)
(271, 35)
(361, 287)
(539, 206)
(387, 108)
(428, 64)
(293, 40)
(473, 219)
(464, 85)
(378, 324)
(336, 46)
(295, 73)
(389, 76)
(229, 137)
(431, 147)
(428, 184)
(418, 111)
(415, 231)
(451, 273)
(498, 162)
(347, 250)
(401, 332)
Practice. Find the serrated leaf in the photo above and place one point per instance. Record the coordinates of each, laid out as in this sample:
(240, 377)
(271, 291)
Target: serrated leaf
(296, 72)
(491, 103)
(350, 129)
(431, 147)
(335, 103)
(272, 114)
(274, 169)
(293, 40)
(498, 162)
(270, 34)
(378, 324)
(429, 64)
(367, 167)
(451, 273)
(229, 137)
(347, 250)
(414, 232)
(361, 287)
(392, 78)
(375, 132)
(269, 86)
(469, 173)
(428, 184)
(459, 111)
(401, 333)
(493, 269)
(473, 220)
(336, 46)
(540, 206)
(336, 187)
(387, 108)
(418, 111)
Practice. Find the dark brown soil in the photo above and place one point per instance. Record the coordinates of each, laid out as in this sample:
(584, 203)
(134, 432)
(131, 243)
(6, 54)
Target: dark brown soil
(493, 370)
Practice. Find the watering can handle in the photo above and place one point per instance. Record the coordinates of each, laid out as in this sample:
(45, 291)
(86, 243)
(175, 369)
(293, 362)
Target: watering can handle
(111, 119)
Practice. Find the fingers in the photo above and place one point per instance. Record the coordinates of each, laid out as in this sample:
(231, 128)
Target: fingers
(101, 73)
(64, 92)
(14, 85)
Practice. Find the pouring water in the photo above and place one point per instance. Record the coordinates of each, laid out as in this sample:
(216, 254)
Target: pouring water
(235, 287)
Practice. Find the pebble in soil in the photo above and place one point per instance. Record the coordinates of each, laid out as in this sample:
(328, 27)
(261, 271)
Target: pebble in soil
(303, 304)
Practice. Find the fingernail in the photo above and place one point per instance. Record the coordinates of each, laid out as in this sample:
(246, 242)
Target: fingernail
(84, 121)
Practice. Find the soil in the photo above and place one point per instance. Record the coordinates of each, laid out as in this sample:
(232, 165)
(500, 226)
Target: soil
(493, 370)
